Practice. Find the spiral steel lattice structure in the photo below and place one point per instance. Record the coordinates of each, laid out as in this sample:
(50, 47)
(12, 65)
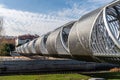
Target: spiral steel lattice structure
(94, 37)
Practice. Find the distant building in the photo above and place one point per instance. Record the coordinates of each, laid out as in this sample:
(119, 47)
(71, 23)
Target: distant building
(8, 39)
(24, 39)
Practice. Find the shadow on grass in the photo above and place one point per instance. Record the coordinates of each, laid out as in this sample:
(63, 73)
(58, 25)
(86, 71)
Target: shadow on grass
(107, 75)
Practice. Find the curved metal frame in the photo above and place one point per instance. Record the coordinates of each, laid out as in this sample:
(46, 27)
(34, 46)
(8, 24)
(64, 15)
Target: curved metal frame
(94, 37)
(31, 47)
(26, 48)
(105, 36)
(37, 45)
(52, 40)
(43, 45)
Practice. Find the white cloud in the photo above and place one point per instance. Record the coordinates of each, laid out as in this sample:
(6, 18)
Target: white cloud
(23, 22)
(100, 1)
(2, 6)
(75, 12)
(18, 22)
(78, 9)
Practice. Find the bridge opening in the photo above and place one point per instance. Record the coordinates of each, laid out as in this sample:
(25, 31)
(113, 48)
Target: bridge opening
(33, 46)
(102, 43)
(26, 48)
(45, 40)
(65, 34)
(113, 19)
(43, 47)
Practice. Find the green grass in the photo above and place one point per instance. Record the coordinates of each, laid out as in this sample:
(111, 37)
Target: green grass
(73, 76)
(46, 77)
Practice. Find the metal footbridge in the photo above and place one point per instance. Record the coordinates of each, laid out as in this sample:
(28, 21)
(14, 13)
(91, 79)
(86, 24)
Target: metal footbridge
(94, 37)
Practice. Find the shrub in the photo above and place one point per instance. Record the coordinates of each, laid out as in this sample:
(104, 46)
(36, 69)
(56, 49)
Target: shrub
(6, 48)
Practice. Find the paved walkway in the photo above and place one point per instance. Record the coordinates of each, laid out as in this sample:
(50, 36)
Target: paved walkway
(8, 58)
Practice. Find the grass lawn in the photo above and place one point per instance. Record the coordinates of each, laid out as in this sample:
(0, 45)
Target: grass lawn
(46, 77)
(73, 76)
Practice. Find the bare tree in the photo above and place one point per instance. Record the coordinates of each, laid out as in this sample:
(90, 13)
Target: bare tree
(1, 32)
(1, 27)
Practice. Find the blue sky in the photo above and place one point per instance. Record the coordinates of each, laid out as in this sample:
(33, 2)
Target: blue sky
(34, 5)
(41, 16)
(43, 6)
(47, 6)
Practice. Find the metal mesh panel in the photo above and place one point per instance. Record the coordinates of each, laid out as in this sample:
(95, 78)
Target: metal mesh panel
(101, 43)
